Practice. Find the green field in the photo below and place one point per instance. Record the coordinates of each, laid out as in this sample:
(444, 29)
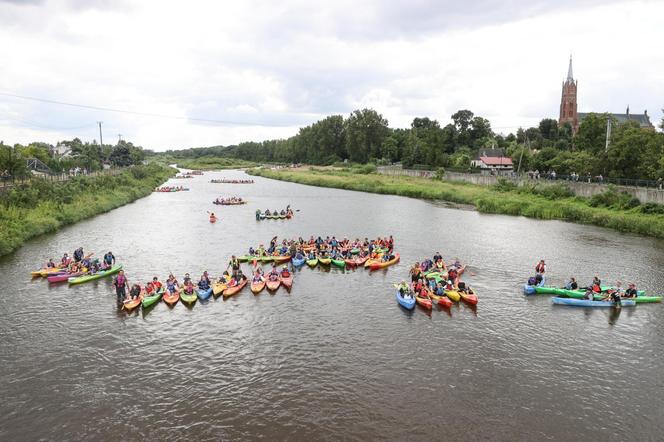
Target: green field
(529, 202)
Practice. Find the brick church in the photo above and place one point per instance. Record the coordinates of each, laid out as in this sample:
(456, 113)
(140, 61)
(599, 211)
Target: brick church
(569, 114)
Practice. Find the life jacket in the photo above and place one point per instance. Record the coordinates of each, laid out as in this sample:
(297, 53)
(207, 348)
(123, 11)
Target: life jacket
(120, 281)
(596, 288)
(539, 268)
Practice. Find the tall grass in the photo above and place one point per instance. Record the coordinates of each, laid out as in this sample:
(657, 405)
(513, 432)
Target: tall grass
(213, 163)
(605, 211)
(34, 209)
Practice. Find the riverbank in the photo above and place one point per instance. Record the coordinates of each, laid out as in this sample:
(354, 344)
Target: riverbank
(42, 207)
(212, 163)
(495, 199)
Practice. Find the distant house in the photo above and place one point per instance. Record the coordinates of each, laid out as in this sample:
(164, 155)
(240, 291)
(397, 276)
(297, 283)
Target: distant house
(61, 150)
(493, 162)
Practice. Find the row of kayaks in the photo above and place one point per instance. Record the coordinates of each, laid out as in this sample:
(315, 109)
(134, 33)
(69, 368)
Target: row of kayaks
(54, 275)
(231, 202)
(262, 216)
(371, 264)
(171, 189)
(641, 297)
(446, 301)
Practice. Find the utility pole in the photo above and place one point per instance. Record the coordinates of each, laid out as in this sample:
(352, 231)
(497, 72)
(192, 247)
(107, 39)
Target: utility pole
(101, 141)
(119, 138)
(608, 133)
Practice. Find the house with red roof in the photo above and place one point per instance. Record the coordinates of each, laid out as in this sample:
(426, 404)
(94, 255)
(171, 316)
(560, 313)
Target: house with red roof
(493, 162)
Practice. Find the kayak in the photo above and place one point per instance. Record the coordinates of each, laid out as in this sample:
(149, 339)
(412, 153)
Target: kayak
(424, 302)
(441, 300)
(312, 262)
(575, 294)
(273, 285)
(133, 303)
(213, 219)
(233, 290)
(266, 258)
(246, 258)
(407, 303)
(257, 287)
(453, 295)
(339, 263)
(172, 299)
(589, 303)
(381, 265)
(100, 274)
(355, 251)
(531, 289)
(150, 300)
(469, 298)
(281, 258)
(298, 262)
(361, 261)
(188, 298)
(371, 261)
(350, 262)
(63, 277)
(218, 287)
(570, 293)
(287, 282)
(204, 294)
(325, 261)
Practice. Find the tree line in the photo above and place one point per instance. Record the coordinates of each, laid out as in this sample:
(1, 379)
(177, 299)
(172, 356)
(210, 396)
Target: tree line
(83, 155)
(365, 136)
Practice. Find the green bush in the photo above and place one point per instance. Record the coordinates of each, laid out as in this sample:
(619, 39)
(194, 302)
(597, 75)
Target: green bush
(613, 199)
(504, 185)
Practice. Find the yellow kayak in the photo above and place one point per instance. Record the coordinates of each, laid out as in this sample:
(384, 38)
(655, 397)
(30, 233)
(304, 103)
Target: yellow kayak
(325, 261)
(45, 272)
(219, 287)
(453, 295)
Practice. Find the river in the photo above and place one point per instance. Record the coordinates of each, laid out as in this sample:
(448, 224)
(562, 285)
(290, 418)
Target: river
(336, 358)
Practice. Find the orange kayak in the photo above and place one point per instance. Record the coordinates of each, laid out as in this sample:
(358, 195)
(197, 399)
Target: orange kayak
(257, 287)
(171, 299)
(273, 285)
(213, 219)
(133, 303)
(424, 302)
(232, 290)
(382, 265)
(443, 301)
(470, 298)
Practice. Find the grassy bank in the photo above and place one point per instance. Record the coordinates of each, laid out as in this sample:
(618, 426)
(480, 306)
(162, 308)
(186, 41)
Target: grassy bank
(212, 163)
(508, 201)
(42, 207)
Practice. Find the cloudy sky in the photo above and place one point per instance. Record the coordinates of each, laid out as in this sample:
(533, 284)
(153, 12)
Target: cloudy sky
(198, 73)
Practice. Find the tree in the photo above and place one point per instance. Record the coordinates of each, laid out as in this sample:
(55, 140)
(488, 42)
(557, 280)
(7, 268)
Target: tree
(366, 131)
(634, 152)
(462, 123)
(12, 163)
(591, 135)
(121, 156)
(548, 127)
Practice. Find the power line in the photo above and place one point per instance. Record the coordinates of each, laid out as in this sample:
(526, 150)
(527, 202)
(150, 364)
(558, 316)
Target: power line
(145, 114)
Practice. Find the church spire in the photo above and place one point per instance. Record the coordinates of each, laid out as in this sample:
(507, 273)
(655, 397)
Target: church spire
(570, 77)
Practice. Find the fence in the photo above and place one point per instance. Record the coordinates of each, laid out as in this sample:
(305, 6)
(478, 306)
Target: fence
(645, 191)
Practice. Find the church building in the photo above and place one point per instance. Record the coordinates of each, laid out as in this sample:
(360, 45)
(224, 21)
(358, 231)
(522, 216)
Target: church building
(568, 107)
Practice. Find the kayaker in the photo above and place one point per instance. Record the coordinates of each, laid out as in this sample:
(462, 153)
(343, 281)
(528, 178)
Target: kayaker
(188, 285)
(135, 291)
(172, 284)
(540, 267)
(258, 277)
(149, 288)
(437, 257)
(572, 284)
(156, 284)
(120, 283)
(440, 289)
(50, 264)
(204, 283)
(284, 272)
(403, 287)
(187, 279)
(631, 291)
(239, 276)
(538, 279)
(109, 259)
(452, 274)
(449, 285)
(206, 276)
(596, 285)
(415, 272)
(78, 254)
(64, 262)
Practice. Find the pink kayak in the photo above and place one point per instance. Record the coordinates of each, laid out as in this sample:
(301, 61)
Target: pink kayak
(63, 277)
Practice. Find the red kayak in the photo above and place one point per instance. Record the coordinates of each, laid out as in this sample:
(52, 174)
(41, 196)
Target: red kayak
(172, 298)
(63, 277)
(469, 298)
(424, 302)
(350, 262)
(287, 282)
(360, 261)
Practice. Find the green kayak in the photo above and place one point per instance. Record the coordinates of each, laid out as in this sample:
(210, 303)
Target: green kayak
(100, 274)
(267, 258)
(151, 300)
(565, 292)
(339, 263)
(355, 251)
(246, 258)
(188, 299)
(312, 262)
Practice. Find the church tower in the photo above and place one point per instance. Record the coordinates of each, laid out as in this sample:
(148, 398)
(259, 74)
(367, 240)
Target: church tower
(568, 113)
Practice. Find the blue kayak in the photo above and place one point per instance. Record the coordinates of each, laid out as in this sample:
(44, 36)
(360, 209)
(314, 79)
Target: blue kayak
(204, 294)
(407, 303)
(298, 262)
(589, 303)
(530, 289)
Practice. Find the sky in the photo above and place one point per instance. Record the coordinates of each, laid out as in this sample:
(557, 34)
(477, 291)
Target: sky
(201, 73)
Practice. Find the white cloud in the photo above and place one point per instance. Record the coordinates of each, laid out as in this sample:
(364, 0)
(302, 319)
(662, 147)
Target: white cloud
(287, 64)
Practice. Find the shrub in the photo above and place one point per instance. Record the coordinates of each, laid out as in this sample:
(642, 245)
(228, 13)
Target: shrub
(504, 185)
(440, 173)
